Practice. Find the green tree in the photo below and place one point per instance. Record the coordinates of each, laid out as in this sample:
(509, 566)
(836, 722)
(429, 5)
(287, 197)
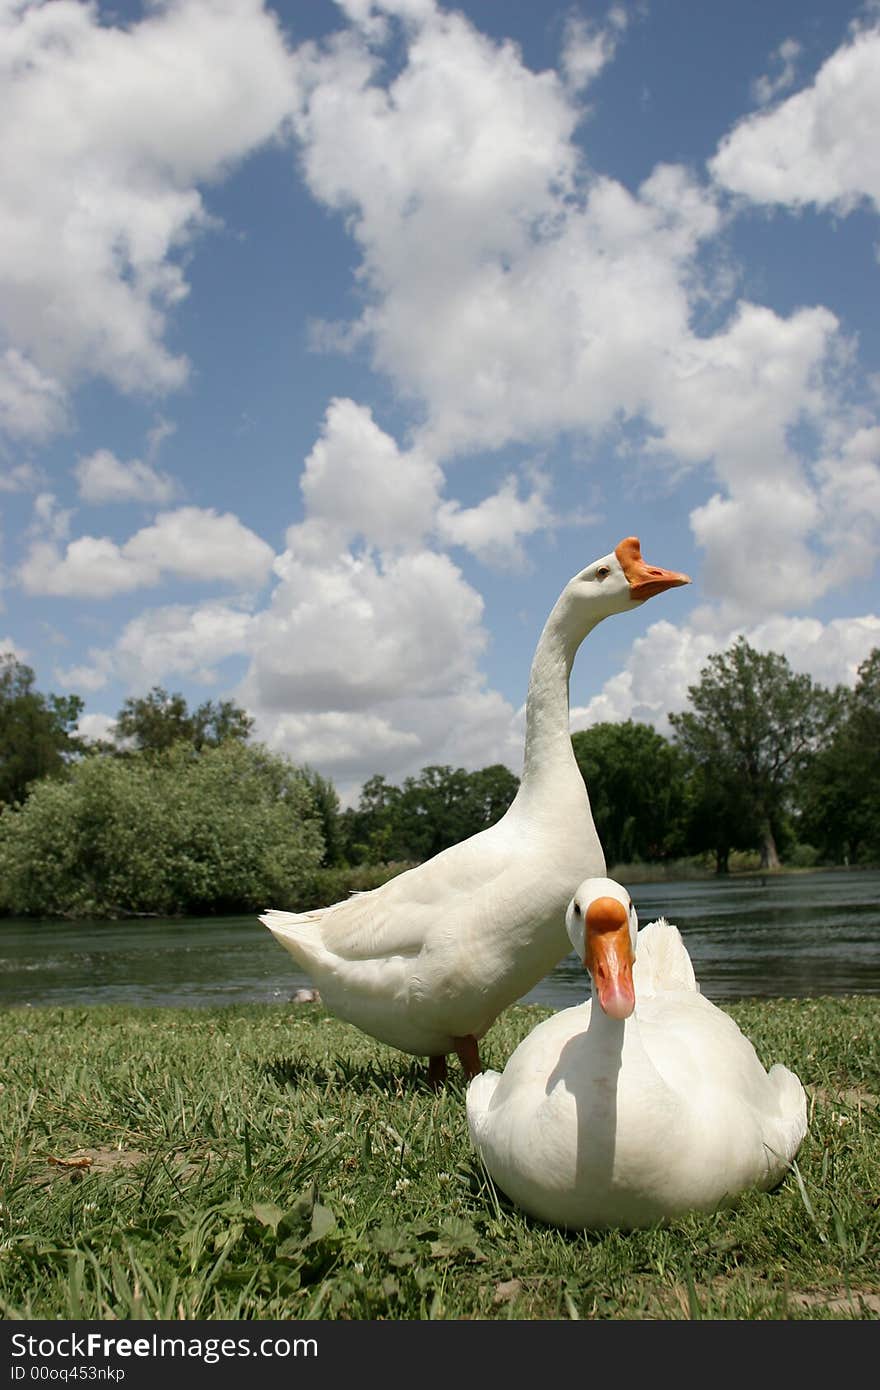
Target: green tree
(439, 807)
(371, 829)
(232, 830)
(326, 802)
(753, 727)
(636, 783)
(158, 720)
(840, 789)
(37, 732)
(444, 805)
(718, 816)
(491, 790)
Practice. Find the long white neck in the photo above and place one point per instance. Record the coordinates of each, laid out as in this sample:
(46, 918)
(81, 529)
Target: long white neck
(549, 759)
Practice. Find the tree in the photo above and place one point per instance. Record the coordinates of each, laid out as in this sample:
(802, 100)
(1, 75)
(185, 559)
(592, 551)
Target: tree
(444, 805)
(371, 829)
(718, 815)
(840, 789)
(234, 829)
(158, 720)
(635, 781)
(326, 803)
(492, 789)
(37, 732)
(427, 814)
(753, 726)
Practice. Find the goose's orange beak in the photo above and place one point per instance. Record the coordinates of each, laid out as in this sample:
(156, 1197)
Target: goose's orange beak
(608, 956)
(645, 580)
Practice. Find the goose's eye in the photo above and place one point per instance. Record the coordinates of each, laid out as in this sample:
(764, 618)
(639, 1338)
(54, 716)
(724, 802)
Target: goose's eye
(603, 572)
(577, 909)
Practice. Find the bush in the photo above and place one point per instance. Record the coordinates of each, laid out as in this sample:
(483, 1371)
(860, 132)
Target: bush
(332, 885)
(232, 828)
(802, 856)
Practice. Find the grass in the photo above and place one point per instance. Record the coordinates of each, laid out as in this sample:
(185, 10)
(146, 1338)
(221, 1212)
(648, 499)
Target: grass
(273, 1163)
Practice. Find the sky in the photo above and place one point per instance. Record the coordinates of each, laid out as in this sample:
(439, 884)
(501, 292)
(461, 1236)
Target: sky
(336, 337)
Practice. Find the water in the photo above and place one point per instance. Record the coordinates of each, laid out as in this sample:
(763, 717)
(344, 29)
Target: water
(800, 934)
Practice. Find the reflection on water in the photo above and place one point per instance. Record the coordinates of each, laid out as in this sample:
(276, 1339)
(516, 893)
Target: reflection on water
(800, 934)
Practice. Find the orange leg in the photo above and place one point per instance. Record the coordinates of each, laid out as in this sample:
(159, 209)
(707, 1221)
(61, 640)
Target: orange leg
(469, 1055)
(436, 1071)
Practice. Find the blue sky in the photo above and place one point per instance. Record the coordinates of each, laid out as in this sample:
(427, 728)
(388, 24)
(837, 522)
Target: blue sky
(334, 338)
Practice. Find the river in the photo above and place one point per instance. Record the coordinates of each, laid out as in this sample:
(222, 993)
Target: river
(795, 934)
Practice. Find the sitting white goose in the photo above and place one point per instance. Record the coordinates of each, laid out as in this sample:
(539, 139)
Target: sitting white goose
(427, 961)
(642, 1103)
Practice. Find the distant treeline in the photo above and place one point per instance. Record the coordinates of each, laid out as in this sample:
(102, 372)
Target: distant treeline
(182, 813)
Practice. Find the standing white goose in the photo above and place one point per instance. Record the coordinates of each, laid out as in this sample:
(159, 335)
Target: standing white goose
(643, 1103)
(427, 961)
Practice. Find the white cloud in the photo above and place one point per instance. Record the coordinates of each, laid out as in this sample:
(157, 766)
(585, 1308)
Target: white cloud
(368, 660)
(361, 629)
(667, 659)
(470, 728)
(547, 303)
(19, 477)
(176, 640)
(50, 520)
(102, 477)
(33, 405)
(95, 727)
(554, 302)
(492, 529)
(360, 483)
(90, 675)
(342, 743)
(767, 87)
(8, 645)
(191, 543)
(181, 640)
(819, 146)
(123, 123)
(90, 567)
(588, 47)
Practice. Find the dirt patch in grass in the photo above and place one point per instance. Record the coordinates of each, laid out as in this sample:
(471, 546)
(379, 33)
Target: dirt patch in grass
(844, 1301)
(100, 1160)
(854, 1096)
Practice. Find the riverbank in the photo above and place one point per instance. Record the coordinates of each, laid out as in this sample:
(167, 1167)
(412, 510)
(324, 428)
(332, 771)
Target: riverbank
(271, 1162)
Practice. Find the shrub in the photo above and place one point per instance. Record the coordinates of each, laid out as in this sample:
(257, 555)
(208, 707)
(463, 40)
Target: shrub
(232, 828)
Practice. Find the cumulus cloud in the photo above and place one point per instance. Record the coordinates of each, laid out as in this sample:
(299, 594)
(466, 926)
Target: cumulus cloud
(469, 152)
(95, 728)
(370, 646)
(667, 659)
(555, 302)
(123, 124)
(191, 543)
(357, 481)
(359, 484)
(819, 146)
(492, 530)
(466, 150)
(177, 640)
(363, 629)
(102, 477)
(366, 660)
